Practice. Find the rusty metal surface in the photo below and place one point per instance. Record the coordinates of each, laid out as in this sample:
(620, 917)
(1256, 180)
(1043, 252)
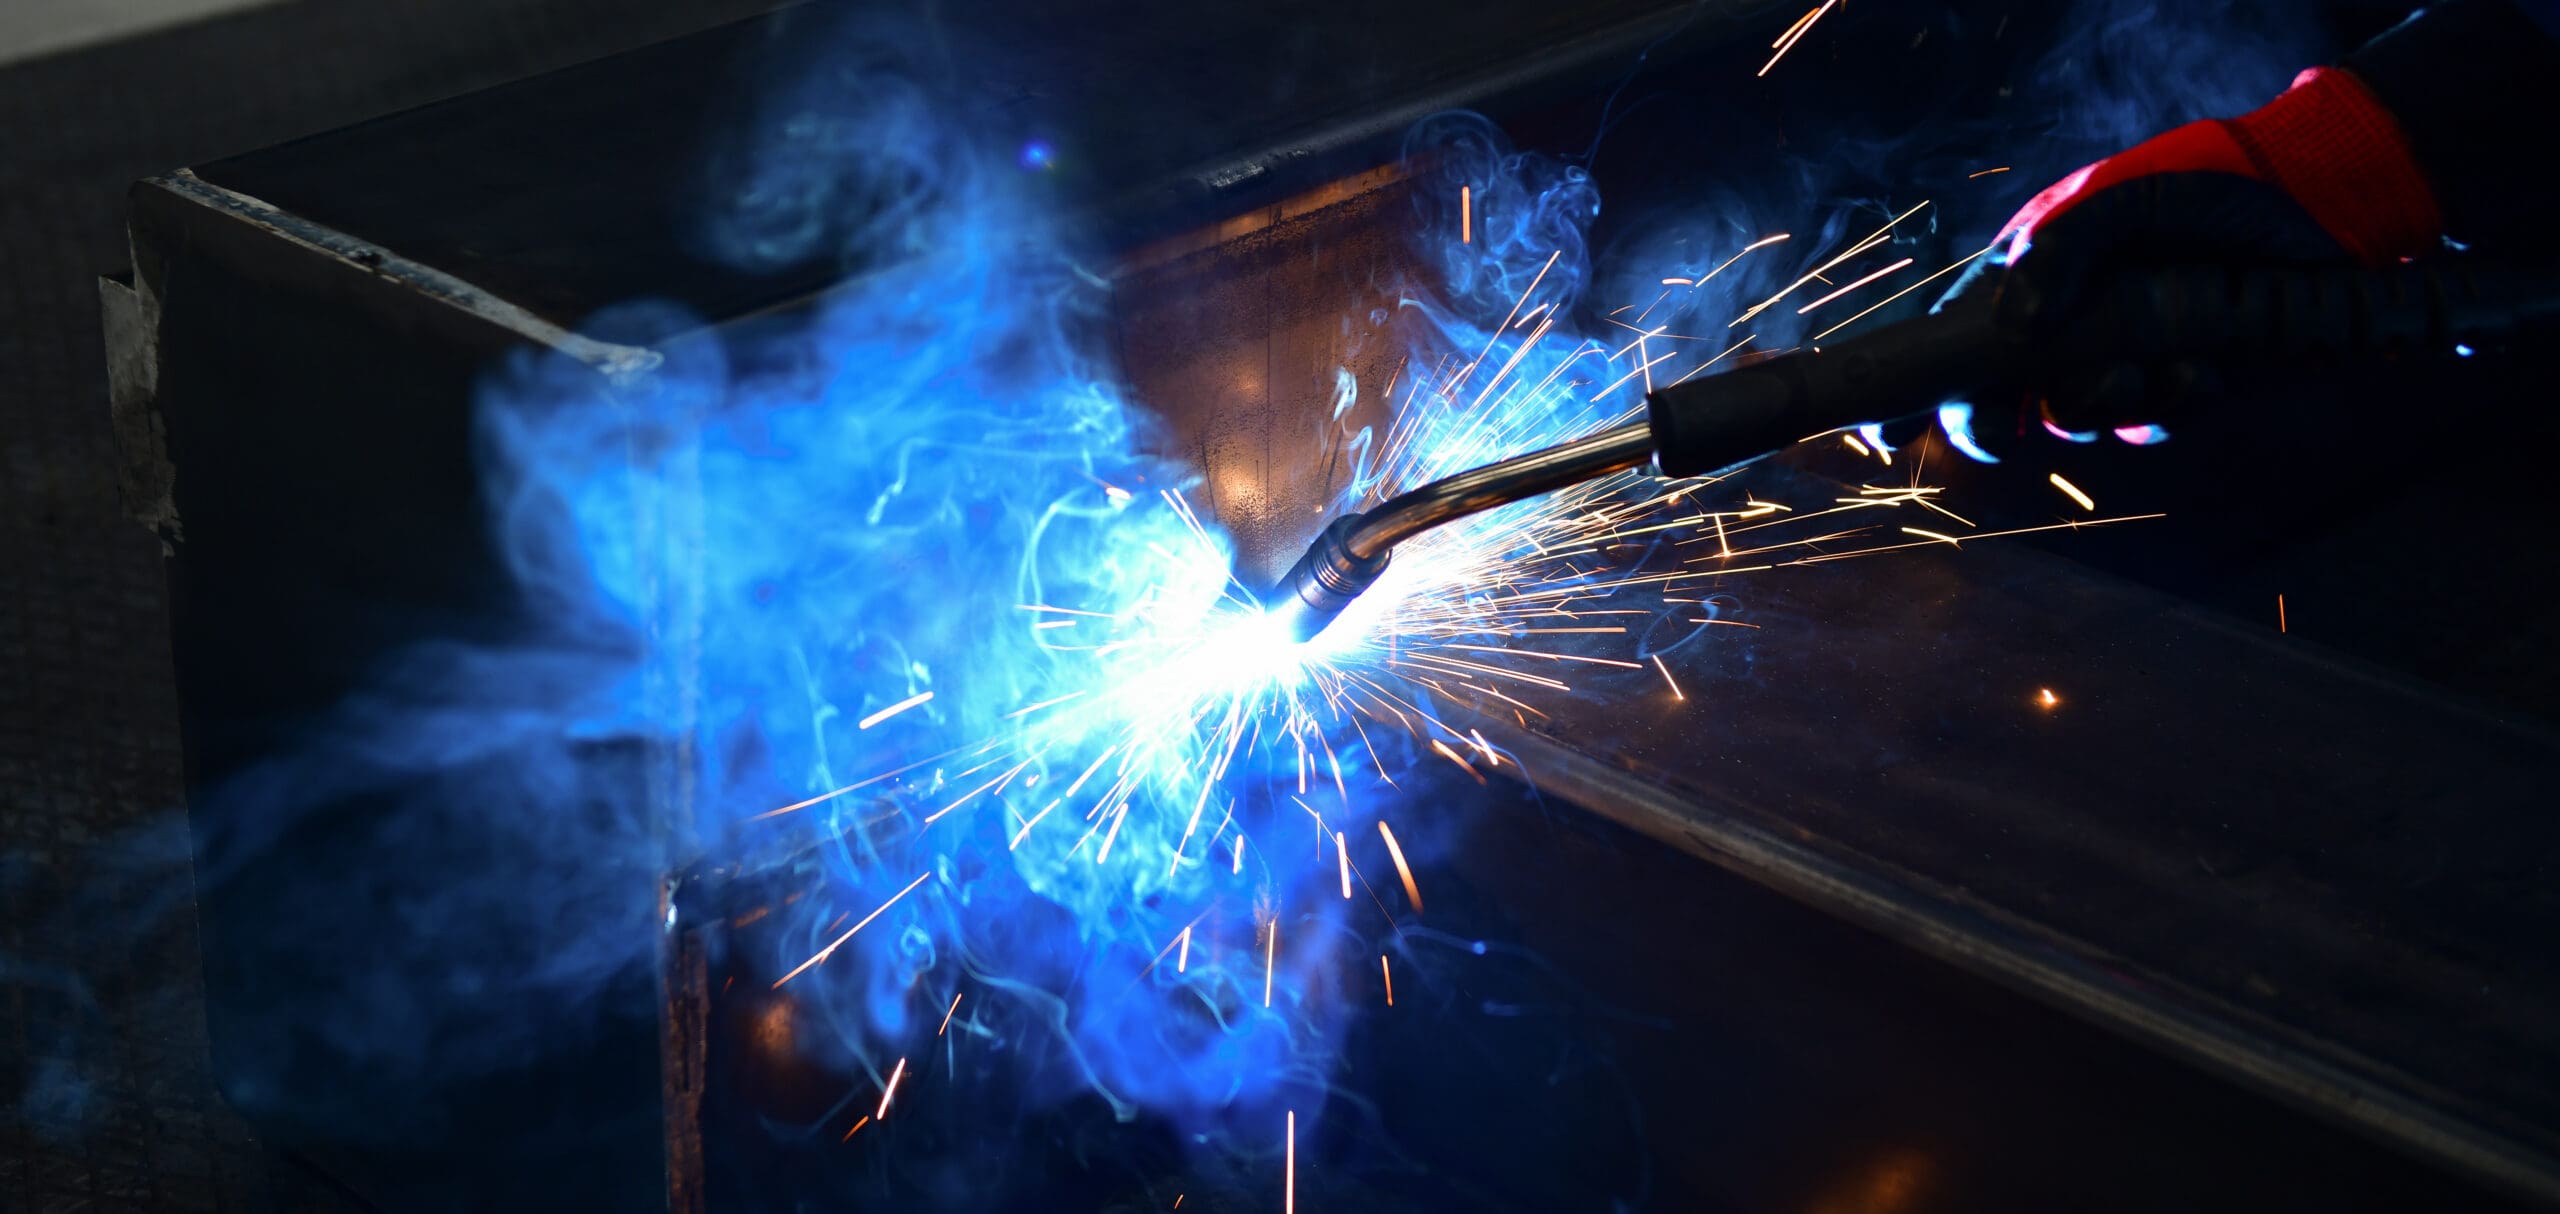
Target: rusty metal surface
(2304, 872)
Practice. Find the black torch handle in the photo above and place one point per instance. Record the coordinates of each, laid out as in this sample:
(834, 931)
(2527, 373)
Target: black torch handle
(2310, 317)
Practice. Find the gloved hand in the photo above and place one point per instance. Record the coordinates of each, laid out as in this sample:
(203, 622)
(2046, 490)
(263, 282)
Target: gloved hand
(2323, 174)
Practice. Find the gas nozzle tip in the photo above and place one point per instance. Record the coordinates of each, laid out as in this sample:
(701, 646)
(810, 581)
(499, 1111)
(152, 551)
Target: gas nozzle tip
(1324, 581)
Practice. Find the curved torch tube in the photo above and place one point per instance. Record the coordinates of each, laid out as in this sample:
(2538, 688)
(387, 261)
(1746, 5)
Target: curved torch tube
(1693, 429)
(1348, 557)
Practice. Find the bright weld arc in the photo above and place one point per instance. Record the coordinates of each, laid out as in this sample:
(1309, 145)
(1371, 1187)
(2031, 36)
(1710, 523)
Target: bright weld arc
(1537, 570)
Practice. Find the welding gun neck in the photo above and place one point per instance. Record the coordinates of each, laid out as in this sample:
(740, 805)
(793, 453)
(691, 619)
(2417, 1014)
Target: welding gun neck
(1522, 476)
(1719, 422)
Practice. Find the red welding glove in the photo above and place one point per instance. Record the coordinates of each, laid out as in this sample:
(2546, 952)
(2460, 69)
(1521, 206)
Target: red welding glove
(2323, 174)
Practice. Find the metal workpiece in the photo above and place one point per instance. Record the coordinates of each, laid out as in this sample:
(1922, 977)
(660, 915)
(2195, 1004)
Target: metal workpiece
(2210, 836)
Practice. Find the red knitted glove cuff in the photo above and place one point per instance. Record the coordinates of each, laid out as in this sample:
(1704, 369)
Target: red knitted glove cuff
(2329, 144)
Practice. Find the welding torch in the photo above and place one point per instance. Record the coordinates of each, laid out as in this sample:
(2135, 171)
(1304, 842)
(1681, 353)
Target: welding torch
(1963, 351)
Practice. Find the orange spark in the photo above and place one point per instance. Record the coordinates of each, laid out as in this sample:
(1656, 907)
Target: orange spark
(857, 1128)
(946, 1016)
(1289, 1195)
(1342, 855)
(1666, 677)
(1904, 291)
(891, 1090)
(2280, 624)
(1761, 243)
(1391, 979)
(2071, 491)
(2045, 696)
(1986, 172)
(1466, 214)
(1412, 893)
(966, 797)
(1791, 29)
(829, 950)
(1270, 946)
(1540, 277)
(1872, 239)
(1451, 755)
(1795, 34)
(834, 793)
(1182, 963)
(1853, 286)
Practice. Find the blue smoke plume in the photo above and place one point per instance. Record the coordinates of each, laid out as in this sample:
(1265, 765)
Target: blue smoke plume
(908, 531)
